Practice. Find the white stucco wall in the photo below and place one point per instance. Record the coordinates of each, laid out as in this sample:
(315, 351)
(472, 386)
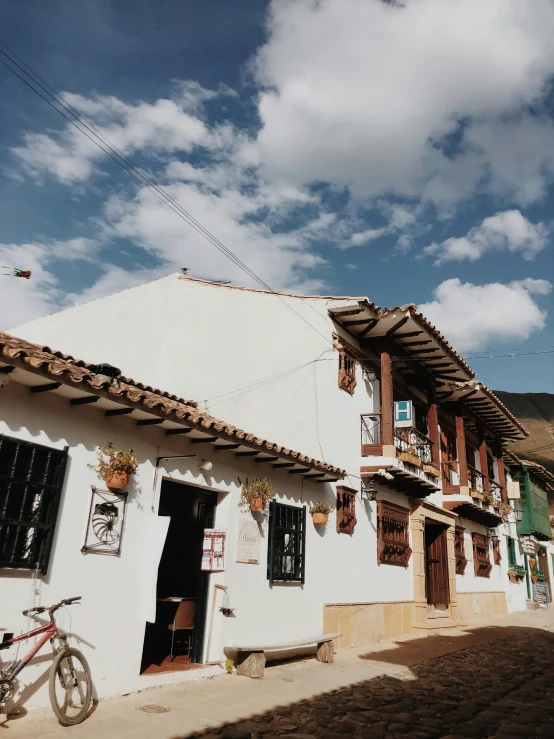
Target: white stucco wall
(110, 622)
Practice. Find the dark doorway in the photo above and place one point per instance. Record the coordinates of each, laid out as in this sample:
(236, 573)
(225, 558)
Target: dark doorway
(436, 565)
(449, 456)
(180, 580)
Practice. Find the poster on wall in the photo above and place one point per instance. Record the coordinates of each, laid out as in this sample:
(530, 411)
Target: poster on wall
(213, 550)
(248, 542)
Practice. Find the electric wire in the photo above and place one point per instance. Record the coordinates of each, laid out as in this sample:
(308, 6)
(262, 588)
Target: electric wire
(135, 172)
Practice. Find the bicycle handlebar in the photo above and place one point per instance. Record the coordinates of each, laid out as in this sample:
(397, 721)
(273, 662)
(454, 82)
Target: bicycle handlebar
(52, 609)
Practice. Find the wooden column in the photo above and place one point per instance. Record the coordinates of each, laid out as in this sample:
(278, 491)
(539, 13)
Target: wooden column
(483, 459)
(433, 423)
(501, 474)
(387, 433)
(462, 456)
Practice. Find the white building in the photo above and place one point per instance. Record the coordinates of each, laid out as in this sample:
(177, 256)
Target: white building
(378, 393)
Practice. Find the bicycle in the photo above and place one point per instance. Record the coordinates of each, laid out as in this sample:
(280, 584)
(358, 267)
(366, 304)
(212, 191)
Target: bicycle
(75, 682)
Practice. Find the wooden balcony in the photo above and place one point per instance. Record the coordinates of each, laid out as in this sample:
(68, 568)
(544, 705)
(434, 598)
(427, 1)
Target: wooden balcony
(413, 447)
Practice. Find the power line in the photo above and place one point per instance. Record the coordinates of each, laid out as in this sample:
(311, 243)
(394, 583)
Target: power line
(117, 156)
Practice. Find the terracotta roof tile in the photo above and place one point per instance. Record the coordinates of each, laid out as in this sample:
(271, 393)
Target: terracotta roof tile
(67, 370)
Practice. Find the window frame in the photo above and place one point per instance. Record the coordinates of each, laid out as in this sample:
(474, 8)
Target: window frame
(482, 565)
(460, 550)
(511, 548)
(393, 547)
(346, 509)
(347, 371)
(44, 504)
(275, 574)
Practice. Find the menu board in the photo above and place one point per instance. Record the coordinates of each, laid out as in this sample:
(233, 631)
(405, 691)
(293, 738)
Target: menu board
(213, 550)
(541, 594)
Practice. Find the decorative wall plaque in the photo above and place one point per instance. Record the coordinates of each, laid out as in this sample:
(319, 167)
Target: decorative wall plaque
(248, 542)
(105, 522)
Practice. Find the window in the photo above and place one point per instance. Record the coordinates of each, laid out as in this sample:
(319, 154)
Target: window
(481, 557)
(403, 410)
(497, 557)
(31, 480)
(287, 543)
(393, 539)
(460, 550)
(512, 560)
(347, 371)
(346, 510)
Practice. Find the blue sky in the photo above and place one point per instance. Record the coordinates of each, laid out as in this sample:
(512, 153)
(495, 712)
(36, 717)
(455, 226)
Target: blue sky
(348, 147)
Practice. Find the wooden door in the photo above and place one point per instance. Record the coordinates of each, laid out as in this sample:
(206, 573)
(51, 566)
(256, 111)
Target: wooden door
(436, 565)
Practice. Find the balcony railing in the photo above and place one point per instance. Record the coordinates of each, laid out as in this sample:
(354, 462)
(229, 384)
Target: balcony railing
(496, 491)
(371, 429)
(411, 441)
(476, 479)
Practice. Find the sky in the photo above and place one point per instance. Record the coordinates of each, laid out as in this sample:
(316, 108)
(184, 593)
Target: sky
(400, 151)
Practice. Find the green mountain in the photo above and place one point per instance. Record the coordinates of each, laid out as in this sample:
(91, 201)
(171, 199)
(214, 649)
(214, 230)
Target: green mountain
(536, 412)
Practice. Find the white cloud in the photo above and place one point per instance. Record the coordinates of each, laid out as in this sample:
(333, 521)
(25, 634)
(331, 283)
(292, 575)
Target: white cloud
(506, 231)
(22, 300)
(475, 316)
(358, 92)
(165, 126)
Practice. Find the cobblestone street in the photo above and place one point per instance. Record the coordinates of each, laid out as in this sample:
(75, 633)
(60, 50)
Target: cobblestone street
(492, 680)
(502, 689)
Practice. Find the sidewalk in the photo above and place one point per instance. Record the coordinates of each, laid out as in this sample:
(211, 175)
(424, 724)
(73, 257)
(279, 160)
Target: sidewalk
(207, 704)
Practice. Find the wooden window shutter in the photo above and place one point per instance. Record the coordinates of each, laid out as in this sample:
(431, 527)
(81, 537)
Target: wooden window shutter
(393, 536)
(459, 549)
(346, 510)
(347, 371)
(481, 556)
(497, 557)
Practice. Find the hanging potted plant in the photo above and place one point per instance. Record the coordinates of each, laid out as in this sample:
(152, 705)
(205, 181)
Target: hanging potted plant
(115, 466)
(532, 562)
(320, 512)
(487, 497)
(255, 493)
(535, 576)
(512, 574)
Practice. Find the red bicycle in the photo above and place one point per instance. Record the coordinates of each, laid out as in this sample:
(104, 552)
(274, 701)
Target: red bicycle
(70, 683)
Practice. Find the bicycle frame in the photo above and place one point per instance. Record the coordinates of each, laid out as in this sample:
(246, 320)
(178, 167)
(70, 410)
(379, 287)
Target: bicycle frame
(50, 631)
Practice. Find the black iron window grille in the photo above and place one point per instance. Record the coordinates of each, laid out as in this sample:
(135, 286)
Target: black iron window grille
(31, 481)
(287, 543)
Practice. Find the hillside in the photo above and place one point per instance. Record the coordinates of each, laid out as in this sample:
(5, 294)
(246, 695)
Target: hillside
(536, 412)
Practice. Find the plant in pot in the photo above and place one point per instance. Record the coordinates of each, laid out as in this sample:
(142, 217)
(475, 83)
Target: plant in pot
(532, 562)
(320, 512)
(115, 466)
(512, 574)
(487, 497)
(255, 493)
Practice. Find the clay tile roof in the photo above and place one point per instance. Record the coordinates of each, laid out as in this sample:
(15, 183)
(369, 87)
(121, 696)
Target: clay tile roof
(67, 370)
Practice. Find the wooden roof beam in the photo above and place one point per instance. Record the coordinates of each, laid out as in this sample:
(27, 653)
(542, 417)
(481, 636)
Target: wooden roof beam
(118, 412)
(85, 400)
(178, 432)
(150, 421)
(397, 325)
(45, 388)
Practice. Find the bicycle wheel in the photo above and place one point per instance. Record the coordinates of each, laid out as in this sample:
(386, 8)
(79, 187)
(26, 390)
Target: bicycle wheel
(70, 687)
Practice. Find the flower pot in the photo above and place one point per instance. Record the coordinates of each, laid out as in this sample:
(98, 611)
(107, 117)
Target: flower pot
(410, 458)
(117, 480)
(320, 517)
(535, 576)
(512, 576)
(430, 469)
(532, 562)
(256, 504)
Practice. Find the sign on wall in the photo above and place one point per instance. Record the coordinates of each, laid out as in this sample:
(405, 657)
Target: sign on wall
(248, 542)
(213, 550)
(529, 545)
(541, 594)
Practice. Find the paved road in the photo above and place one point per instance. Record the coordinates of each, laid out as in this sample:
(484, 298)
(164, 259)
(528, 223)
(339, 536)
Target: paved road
(503, 689)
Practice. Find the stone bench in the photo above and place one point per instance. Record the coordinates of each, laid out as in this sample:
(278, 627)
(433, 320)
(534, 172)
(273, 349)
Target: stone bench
(251, 659)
